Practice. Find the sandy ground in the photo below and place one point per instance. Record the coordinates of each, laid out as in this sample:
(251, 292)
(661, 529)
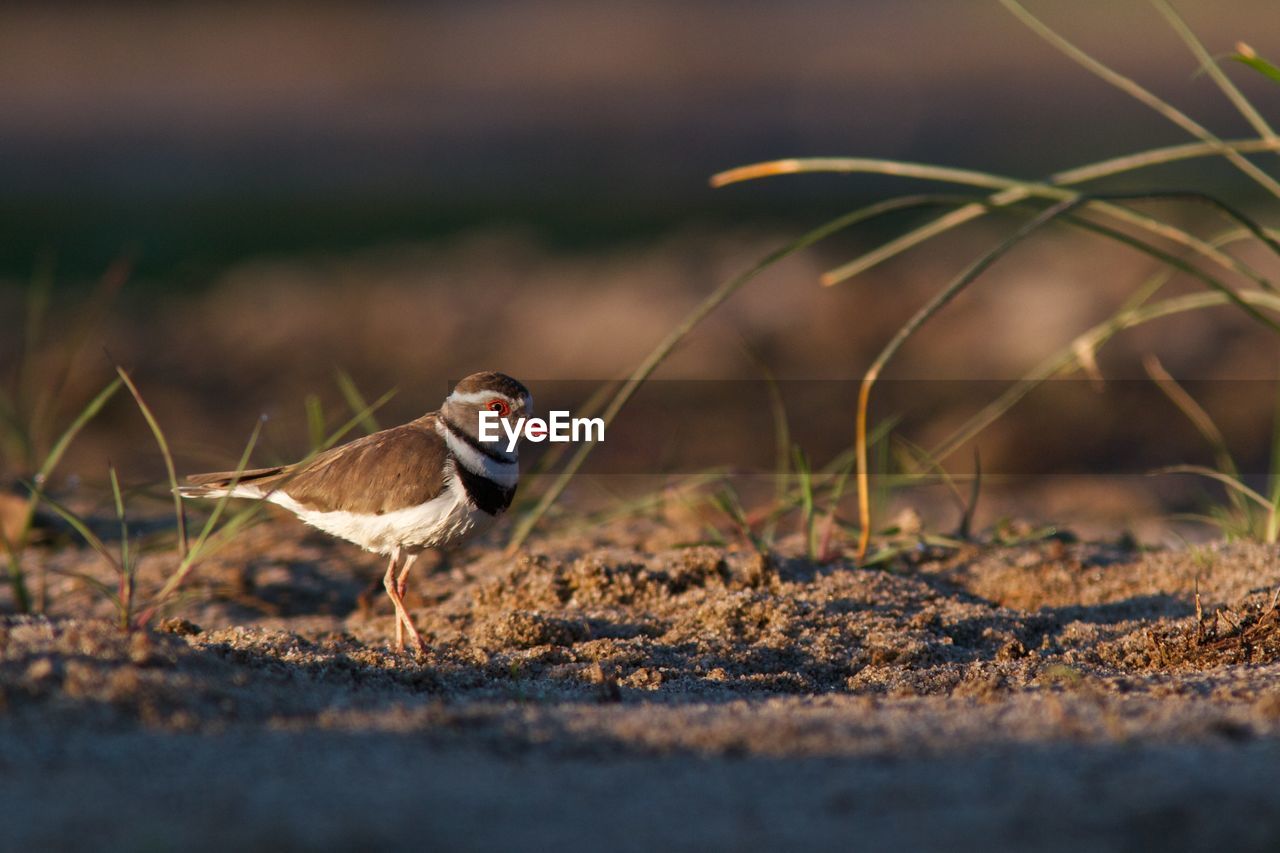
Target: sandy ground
(619, 691)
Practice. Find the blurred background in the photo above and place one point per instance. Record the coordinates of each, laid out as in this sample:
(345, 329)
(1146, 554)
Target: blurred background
(412, 191)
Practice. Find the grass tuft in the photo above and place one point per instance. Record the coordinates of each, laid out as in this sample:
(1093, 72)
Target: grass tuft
(1056, 201)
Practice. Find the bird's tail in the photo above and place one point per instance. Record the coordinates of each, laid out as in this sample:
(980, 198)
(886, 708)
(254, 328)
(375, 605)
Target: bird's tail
(254, 483)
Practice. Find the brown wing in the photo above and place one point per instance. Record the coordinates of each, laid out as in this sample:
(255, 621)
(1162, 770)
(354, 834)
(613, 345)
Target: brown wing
(389, 470)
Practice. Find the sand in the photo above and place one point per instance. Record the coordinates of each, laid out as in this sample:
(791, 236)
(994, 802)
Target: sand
(616, 690)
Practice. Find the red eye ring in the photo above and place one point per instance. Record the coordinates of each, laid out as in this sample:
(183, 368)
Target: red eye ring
(499, 406)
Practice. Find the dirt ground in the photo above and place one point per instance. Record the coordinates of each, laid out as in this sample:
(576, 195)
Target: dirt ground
(620, 691)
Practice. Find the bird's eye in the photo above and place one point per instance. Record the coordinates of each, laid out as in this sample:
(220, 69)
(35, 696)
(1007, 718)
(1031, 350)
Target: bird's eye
(500, 406)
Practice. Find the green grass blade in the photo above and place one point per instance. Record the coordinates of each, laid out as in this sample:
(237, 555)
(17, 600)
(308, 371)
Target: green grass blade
(188, 561)
(555, 452)
(673, 339)
(1207, 62)
(1158, 157)
(78, 525)
(1174, 262)
(358, 418)
(1230, 482)
(211, 522)
(315, 422)
(124, 524)
(921, 461)
(14, 549)
(1194, 413)
(1273, 486)
(1094, 339)
(1141, 95)
(1017, 191)
(125, 592)
(179, 511)
(103, 589)
(88, 413)
(1273, 478)
(939, 301)
(1246, 55)
(804, 481)
(356, 401)
(627, 508)
(1203, 424)
(726, 500)
(974, 210)
(782, 446)
(211, 537)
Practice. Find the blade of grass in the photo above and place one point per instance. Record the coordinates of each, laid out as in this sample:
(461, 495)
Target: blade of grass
(315, 421)
(88, 413)
(1024, 190)
(1194, 413)
(1246, 55)
(179, 512)
(212, 537)
(355, 400)
(825, 554)
(1070, 177)
(1130, 314)
(1273, 486)
(1159, 157)
(78, 525)
(1180, 265)
(1202, 422)
(920, 458)
(634, 506)
(1094, 337)
(191, 555)
(804, 482)
(677, 334)
(1272, 532)
(1230, 482)
(926, 311)
(14, 549)
(965, 529)
(126, 563)
(1141, 95)
(103, 589)
(782, 444)
(555, 452)
(20, 408)
(727, 501)
(1210, 65)
(356, 420)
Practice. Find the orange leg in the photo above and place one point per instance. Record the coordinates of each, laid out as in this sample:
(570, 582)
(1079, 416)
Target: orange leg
(395, 591)
(402, 582)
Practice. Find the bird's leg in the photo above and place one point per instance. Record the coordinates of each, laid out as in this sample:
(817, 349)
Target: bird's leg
(402, 582)
(393, 592)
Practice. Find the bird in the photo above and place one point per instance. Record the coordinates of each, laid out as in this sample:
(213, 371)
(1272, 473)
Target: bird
(430, 483)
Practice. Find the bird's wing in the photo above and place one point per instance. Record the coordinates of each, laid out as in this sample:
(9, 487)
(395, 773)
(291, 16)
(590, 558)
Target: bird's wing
(396, 468)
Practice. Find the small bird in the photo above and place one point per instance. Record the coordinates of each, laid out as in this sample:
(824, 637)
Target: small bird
(427, 484)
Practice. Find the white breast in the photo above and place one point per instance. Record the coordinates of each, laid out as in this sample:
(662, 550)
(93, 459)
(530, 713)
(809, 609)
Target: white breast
(442, 521)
